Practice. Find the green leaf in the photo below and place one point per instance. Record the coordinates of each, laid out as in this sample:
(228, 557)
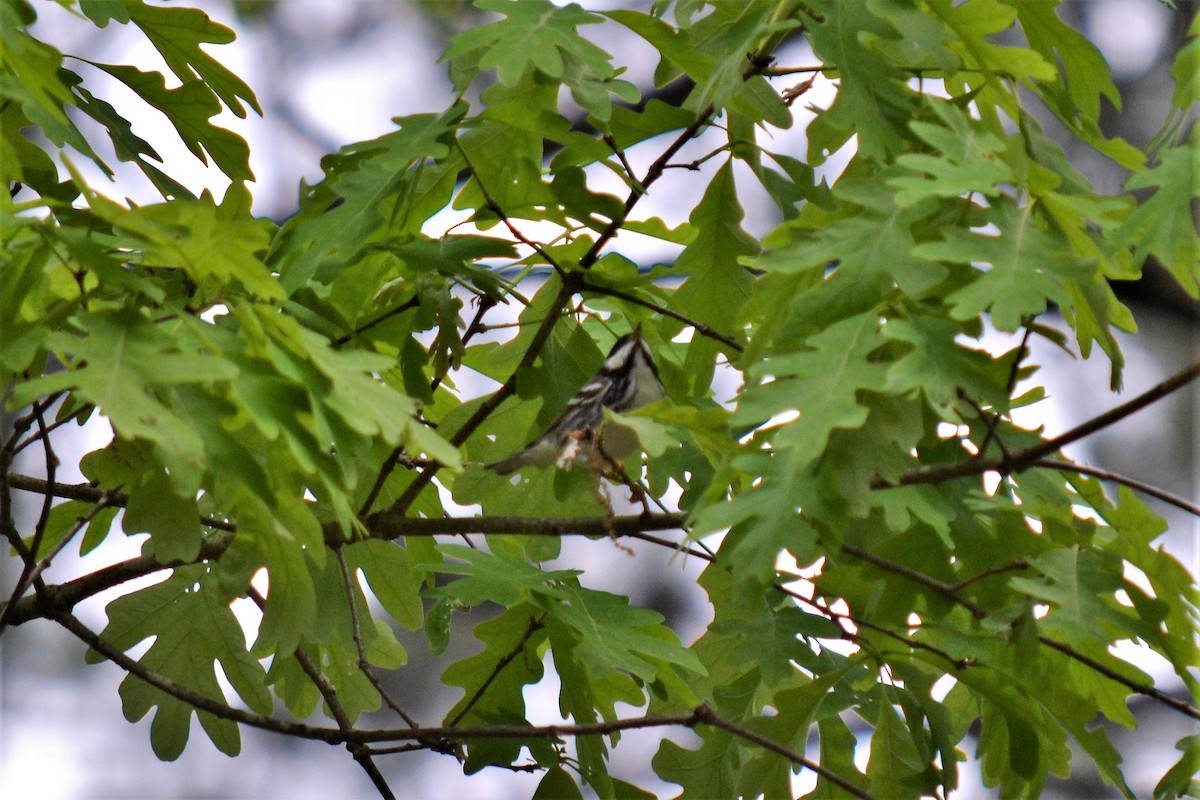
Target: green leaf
(494, 679)
(177, 33)
(1086, 74)
(193, 629)
(201, 238)
(500, 577)
(31, 77)
(1028, 265)
(717, 284)
(367, 177)
(823, 383)
(538, 35)
(871, 99)
(189, 109)
(614, 636)
(118, 364)
(969, 160)
(385, 566)
(557, 784)
(1162, 225)
(1180, 779)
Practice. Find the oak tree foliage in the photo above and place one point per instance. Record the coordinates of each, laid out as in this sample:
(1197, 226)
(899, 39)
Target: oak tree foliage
(284, 398)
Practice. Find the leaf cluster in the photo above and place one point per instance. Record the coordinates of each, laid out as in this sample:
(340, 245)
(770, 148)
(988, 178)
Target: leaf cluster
(891, 559)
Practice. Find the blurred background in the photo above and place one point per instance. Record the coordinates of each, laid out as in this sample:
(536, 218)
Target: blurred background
(331, 72)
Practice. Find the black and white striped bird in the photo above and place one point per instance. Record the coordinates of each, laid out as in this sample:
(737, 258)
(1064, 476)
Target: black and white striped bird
(628, 379)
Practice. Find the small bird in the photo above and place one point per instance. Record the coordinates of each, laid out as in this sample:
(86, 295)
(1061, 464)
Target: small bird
(628, 379)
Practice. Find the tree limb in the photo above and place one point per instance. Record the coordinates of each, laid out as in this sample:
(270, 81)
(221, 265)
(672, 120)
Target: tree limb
(1021, 459)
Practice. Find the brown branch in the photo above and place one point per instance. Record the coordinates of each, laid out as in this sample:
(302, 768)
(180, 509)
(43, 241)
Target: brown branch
(989, 572)
(407, 305)
(535, 624)
(849, 636)
(979, 612)
(1020, 459)
(700, 716)
(386, 525)
(490, 203)
(493, 402)
(364, 666)
(611, 141)
(93, 494)
(39, 529)
(1133, 686)
(34, 576)
(390, 525)
(53, 426)
(361, 753)
(1107, 475)
(62, 598)
(945, 589)
(666, 311)
(191, 697)
(706, 716)
(757, 65)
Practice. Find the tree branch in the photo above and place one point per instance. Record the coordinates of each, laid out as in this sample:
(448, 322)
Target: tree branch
(1020, 459)
(34, 576)
(191, 697)
(757, 65)
(1107, 475)
(387, 525)
(407, 305)
(493, 402)
(701, 328)
(706, 716)
(535, 624)
(390, 525)
(979, 612)
(1149, 691)
(361, 753)
(364, 666)
(702, 715)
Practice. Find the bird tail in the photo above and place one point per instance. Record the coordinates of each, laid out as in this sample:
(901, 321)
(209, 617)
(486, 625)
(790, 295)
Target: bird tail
(508, 465)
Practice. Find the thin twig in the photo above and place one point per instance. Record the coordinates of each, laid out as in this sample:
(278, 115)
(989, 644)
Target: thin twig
(360, 752)
(999, 569)
(39, 530)
(93, 494)
(488, 406)
(476, 326)
(1108, 475)
(979, 612)
(1020, 459)
(656, 170)
(407, 305)
(611, 141)
(7, 612)
(385, 472)
(190, 696)
(706, 715)
(62, 598)
(944, 589)
(535, 624)
(390, 525)
(1149, 691)
(491, 203)
(50, 428)
(1013, 371)
(364, 666)
(701, 328)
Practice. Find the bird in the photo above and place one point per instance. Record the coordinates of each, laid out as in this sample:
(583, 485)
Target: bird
(628, 379)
